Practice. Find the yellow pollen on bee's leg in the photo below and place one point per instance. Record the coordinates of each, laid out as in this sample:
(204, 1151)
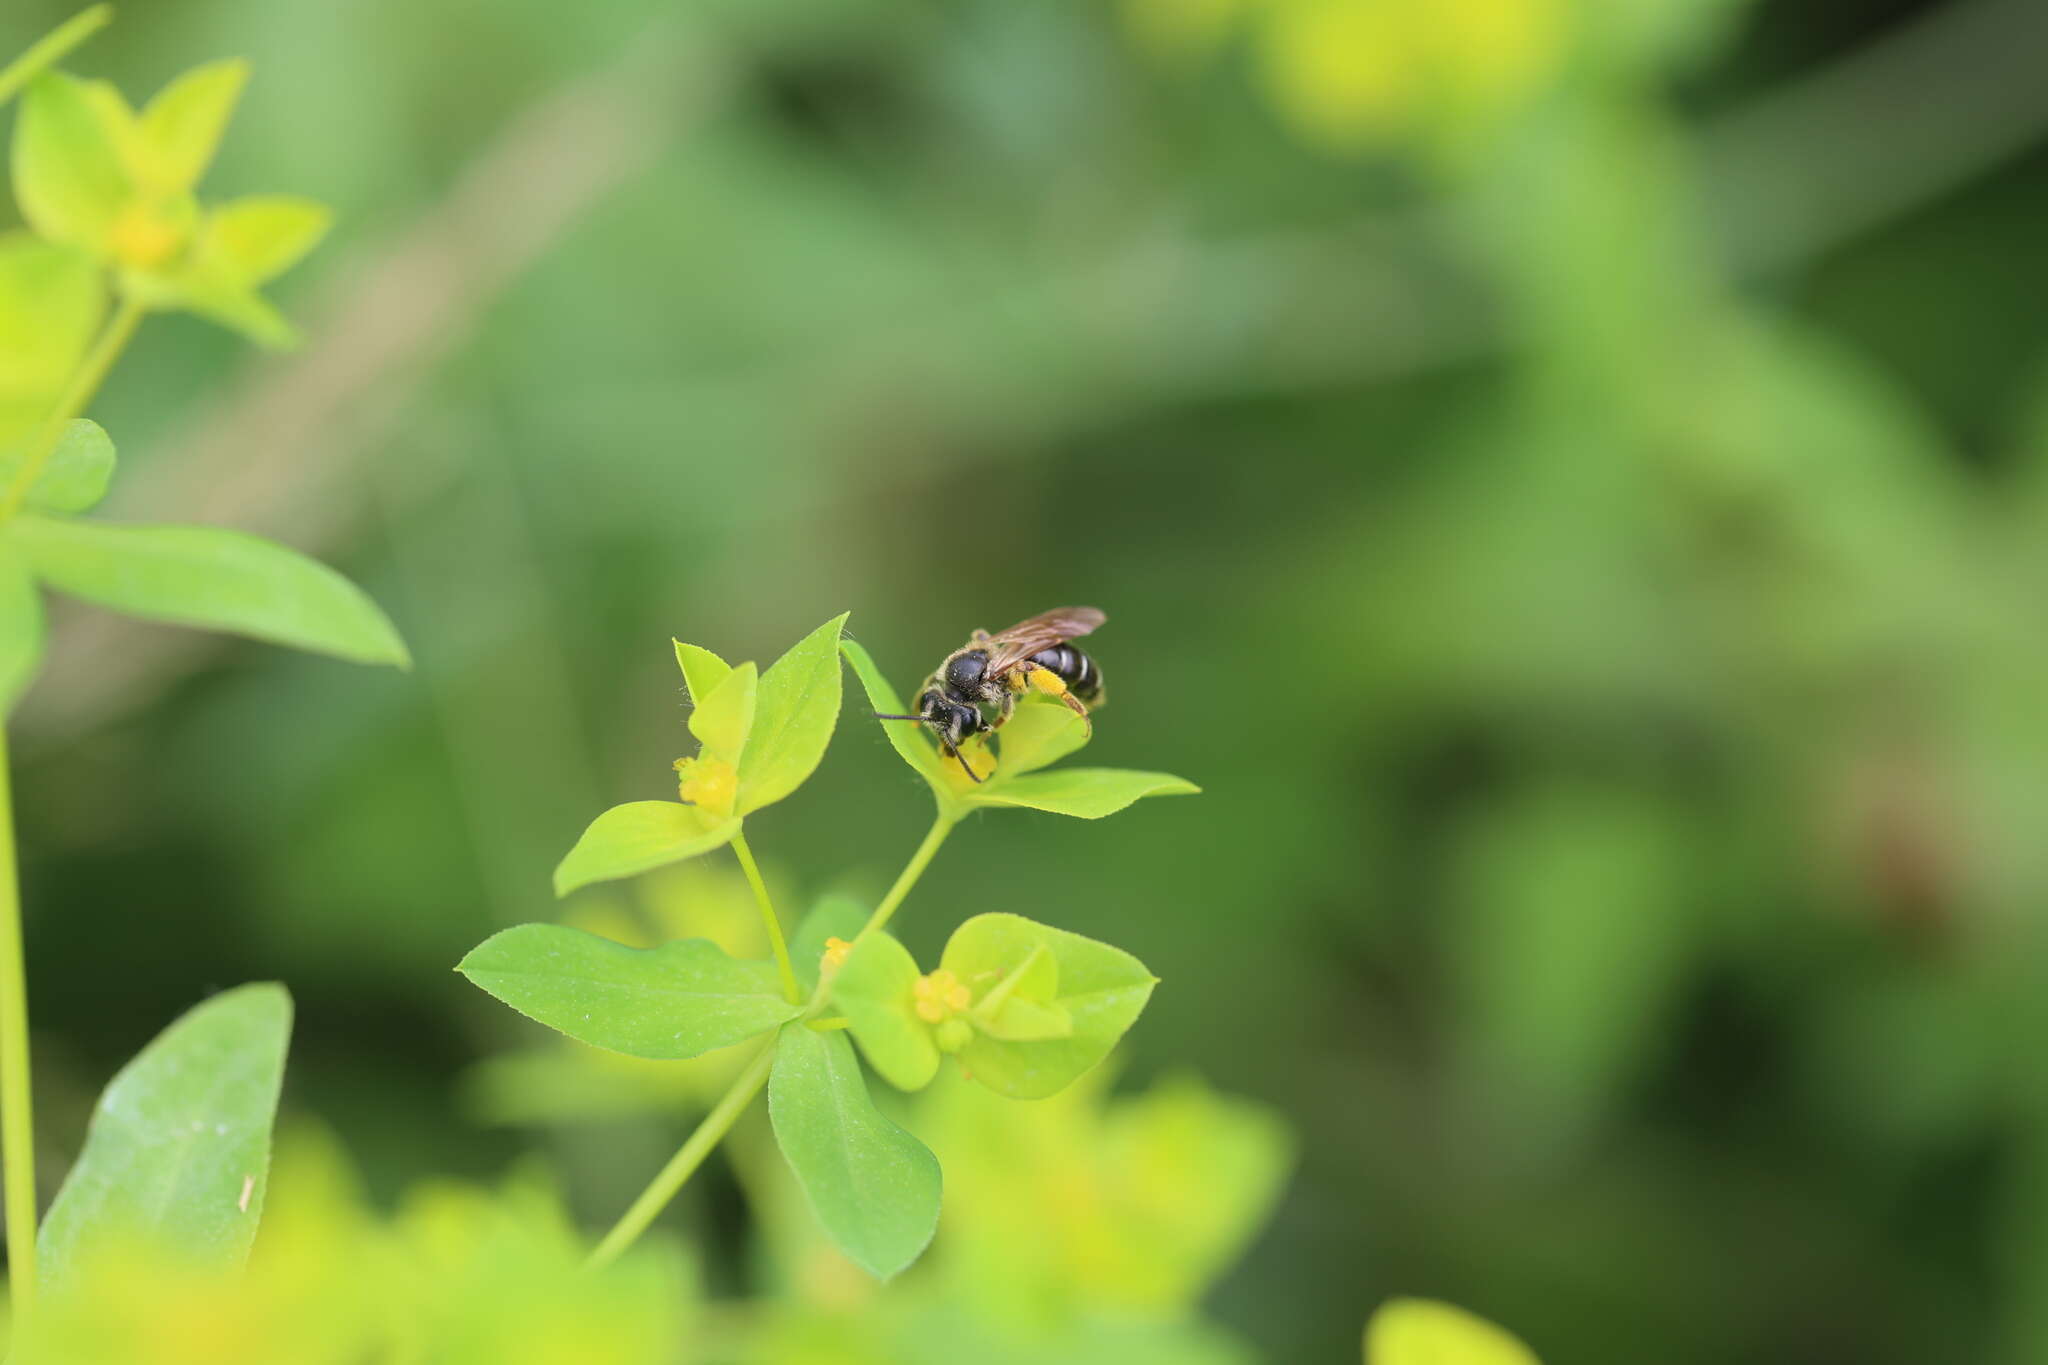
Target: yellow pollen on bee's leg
(1048, 682)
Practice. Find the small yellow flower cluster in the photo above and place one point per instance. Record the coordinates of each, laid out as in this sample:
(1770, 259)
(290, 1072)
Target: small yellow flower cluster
(940, 995)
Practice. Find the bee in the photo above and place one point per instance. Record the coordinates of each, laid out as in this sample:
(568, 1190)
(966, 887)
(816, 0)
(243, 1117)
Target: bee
(994, 670)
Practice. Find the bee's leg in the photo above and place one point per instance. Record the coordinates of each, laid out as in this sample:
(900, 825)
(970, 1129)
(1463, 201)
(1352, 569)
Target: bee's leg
(965, 766)
(1053, 685)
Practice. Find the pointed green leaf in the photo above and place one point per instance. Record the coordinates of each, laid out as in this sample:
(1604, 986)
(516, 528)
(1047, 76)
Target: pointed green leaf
(179, 1148)
(907, 738)
(1089, 793)
(180, 129)
(798, 709)
(76, 472)
(702, 670)
(873, 990)
(51, 48)
(873, 1186)
(1425, 1332)
(21, 627)
(722, 721)
(1039, 733)
(834, 916)
(68, 174)
(1101, 989)
(682, 999)
(637, 837)
(201, 576)
(259, 237)
(219, 297)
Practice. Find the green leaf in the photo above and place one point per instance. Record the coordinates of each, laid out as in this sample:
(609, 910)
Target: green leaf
(180, 129)
(1089, 793)
(200, 576)
(76, 474)
(217, 297)
(679, 1000)
(51, 301)
(703, 671)
(21, 628)
(834, 916)
(905, 737)
(799, 706)
(179, 1148)
(68, 174)
(1039, 733)
(873, 990)
(721, 721)
(1101, 990)
(51, 48)
(874, 1187)
(1425, 1332)
(259, 237)
(638, 836)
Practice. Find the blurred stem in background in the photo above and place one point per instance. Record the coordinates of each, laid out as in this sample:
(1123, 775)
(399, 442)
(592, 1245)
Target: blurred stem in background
(749, 1082)
(769, 920)
(17, 1087)
(17, 1115)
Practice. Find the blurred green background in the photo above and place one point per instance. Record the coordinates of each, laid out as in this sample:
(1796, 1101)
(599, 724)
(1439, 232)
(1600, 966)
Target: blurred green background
(1567, 478)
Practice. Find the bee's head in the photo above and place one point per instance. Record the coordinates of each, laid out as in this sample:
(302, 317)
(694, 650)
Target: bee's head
(951, 720)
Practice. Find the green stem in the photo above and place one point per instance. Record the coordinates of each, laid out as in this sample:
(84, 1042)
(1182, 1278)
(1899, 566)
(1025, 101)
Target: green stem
(85, 382)
(48, 50)
(685, 1162)
(17, 1116)
(769, 920)
(912, 870)
(748, 1084)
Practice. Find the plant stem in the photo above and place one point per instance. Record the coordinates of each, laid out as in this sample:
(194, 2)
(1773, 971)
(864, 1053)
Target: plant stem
(17, 1115)
(768, 919)
(85, 382)
(48, 50)
(685, 1162)
(912, 870)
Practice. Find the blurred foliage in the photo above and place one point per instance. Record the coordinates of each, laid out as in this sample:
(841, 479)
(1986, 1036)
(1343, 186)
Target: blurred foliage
(1592, 454)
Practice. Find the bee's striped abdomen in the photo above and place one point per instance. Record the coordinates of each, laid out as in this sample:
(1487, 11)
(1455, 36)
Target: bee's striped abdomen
(1079, 672)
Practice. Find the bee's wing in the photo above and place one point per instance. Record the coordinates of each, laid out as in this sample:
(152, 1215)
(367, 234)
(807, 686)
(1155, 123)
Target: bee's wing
(1010, 647)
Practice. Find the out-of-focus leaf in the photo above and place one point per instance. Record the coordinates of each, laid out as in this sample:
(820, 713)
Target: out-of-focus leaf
(21, 627)
(179, 1148)
(638, 836)
(201, 576)
(873, 1186)
(1424, 1332)
(1101, 989)
(180, 130)
(74, 476)
(51, 301)
(874, 991)
(1089, 793)
(1569, 942)
(68, 174)
(793, 720)
(679, 1000)
(259, 237)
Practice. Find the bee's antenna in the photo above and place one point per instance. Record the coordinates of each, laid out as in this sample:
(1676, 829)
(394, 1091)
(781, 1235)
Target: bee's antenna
(965, 766)
(880, 716)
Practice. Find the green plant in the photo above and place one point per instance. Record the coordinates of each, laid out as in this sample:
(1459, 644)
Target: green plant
(1025, 1008)
(115, 231)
